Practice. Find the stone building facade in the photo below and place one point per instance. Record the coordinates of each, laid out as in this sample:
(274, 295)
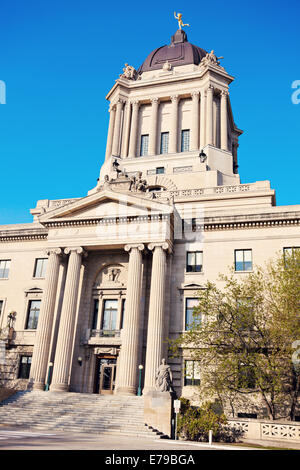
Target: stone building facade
(97, 284)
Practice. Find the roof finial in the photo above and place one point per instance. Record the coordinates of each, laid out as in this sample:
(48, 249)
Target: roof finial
(179, 18)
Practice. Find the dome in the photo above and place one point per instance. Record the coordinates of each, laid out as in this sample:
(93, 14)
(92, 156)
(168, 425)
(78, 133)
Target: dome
(179, 52)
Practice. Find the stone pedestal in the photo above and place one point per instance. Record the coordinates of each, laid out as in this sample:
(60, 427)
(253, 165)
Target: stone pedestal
(158, 410)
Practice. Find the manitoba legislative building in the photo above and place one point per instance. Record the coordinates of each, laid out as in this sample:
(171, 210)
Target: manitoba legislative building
(93, 289)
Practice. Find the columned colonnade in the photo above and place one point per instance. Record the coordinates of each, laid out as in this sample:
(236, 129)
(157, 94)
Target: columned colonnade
(131, 338)
(124, 116)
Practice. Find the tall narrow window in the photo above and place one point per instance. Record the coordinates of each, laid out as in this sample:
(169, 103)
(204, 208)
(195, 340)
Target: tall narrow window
(122, 313)
(144, 145)
(164, 142)
(24, 368)
(95, 314)
(33, 314)
(192, 373)
(190, 319)
(40, 267)
(1, 307)
(110, 312)
(194, 261)
(243, 260)
(185, 140)
(4, 268)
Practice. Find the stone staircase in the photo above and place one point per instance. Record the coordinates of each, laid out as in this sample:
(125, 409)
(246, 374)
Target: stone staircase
(77, 412)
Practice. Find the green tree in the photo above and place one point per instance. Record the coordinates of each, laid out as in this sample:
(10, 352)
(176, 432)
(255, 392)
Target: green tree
(246, 341)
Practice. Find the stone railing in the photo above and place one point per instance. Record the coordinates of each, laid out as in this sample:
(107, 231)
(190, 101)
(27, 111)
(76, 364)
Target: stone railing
(267, 430)
(105, 333)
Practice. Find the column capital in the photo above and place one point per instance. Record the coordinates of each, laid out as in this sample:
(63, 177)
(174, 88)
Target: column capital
(174, 98)
(224, 93)
(112, 107)
(154, 100)
(78, 249)
(55, 251)
(195, 94)
(139, 246)
(210, 89)
(135, 103)
(164, 245)
(120, 101)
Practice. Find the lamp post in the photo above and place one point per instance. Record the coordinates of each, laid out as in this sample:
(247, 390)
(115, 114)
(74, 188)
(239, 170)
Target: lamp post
(49, 376)
(141, 367)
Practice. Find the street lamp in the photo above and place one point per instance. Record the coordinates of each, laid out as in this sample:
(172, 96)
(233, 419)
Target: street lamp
(49, 376)
(141, 367)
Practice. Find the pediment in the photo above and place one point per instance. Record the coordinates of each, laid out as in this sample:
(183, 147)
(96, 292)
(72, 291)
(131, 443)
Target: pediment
(107, 204)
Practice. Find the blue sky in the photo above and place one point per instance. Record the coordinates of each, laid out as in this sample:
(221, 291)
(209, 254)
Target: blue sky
(59, 60)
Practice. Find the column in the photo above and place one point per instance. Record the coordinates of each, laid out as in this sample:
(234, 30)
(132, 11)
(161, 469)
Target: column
(112, 112)
(133, 129)
(174, 125)
(125, 140)
(155, 338)
(117, 130)
(202, 119)
(128, 369)
(224, 138)
(40, 357)
(63, 355)
(209, 115)
(195, 121)
(217, 123)
(153, 126)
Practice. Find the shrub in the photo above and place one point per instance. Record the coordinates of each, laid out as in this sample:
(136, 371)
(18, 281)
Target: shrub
(194, 423)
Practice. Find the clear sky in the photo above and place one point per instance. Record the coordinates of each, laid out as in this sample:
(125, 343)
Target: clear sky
(60, 58)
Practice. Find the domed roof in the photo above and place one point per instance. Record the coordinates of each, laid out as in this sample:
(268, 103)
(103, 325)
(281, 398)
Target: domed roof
(179, 52)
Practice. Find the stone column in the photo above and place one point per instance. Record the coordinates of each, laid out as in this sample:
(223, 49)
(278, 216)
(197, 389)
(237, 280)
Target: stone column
(127, 372)
(154, 351)
(195, 121)
(209, 115)
(40, 357)
(202, 119)
(125, 140)
(224, 139)
(133, 130)
(153, 126)
(112, 111)
(117, 131)
(63, 355)
(174, 125)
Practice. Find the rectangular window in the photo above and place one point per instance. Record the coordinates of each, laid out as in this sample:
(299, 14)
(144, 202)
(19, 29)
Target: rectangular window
(144, 145)
(4, 268)
(164, 142)
(33, 314)
(122, 313)
(40, 267)
(243, 260)
(160, 170)
(190, 320)
(24, 368)
(95, 314)
(185, 140)
(194, 261)
(110, 312)
(192, 373)
(1, 306)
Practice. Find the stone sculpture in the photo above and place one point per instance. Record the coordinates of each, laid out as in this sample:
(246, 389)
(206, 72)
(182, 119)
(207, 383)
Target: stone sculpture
(163, 378)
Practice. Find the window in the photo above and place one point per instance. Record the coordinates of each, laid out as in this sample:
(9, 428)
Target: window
(110, 312)
(246, 376)
(243, 260)
(33, 314)
(144, 145)
(4, 268)
(95, 314)
(40, 267)
(194, 261)
(185, 140)
(24, 368)
(1, 306)
(160, 170)
(122, 313)
(190, 304)
(164, 142)
(247, 415)
(192, 373)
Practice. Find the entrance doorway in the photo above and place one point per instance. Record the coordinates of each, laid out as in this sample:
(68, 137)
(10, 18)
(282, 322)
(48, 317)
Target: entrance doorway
(105, 375)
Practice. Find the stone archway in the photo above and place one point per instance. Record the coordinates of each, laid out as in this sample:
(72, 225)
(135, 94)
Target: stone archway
(161, 180)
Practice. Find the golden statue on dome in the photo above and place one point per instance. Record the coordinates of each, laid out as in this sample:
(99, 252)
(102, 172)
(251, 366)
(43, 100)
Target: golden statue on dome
(179, 18)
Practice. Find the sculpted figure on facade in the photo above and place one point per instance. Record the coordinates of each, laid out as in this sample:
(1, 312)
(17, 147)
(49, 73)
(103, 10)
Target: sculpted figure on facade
(163, 378)
(179, 18)
(129, 72)
(211, 59)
